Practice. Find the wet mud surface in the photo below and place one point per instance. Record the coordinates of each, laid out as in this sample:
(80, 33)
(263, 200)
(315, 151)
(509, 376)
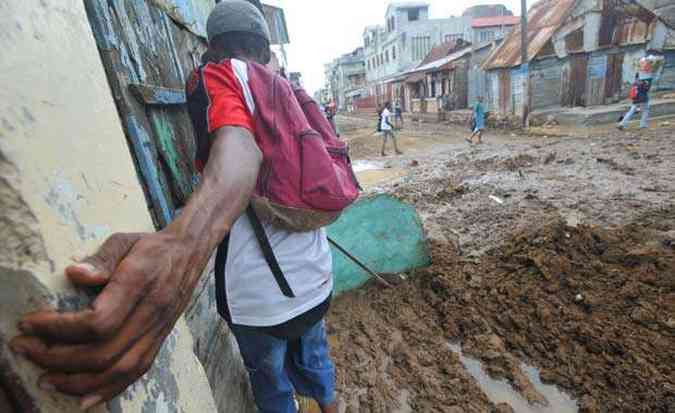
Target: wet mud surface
(558, 253)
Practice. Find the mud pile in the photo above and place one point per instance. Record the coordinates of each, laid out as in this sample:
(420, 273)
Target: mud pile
(593, 309)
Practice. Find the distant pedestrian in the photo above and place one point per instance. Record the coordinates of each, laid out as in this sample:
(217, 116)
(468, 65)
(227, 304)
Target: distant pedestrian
(639, 93)
(387, 128)
(331, 111)
(398, 114)
(478, 121)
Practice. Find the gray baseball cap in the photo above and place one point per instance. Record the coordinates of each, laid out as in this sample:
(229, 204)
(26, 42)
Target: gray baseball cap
(236, 16)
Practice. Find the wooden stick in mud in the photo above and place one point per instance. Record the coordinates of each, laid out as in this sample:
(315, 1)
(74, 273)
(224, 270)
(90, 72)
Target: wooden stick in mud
(372, 273)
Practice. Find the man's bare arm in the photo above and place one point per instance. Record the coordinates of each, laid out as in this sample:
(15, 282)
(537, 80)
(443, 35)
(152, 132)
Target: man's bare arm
(149, 280)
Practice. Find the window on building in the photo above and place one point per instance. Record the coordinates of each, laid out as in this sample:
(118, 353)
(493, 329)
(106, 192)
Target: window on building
(393, 23)
(413, 15)
(393, 53)
(433, 89)
(367, 41)
(368, 64)
(386, 56)
(421, 45)
(487, 36)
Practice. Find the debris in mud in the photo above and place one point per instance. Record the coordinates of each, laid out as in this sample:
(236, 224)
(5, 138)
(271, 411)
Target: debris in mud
(519, 302)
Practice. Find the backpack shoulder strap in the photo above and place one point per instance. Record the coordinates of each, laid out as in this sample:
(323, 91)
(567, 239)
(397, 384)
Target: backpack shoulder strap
(268, 253)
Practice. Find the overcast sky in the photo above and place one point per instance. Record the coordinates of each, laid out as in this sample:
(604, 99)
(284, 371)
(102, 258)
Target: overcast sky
(321, 30)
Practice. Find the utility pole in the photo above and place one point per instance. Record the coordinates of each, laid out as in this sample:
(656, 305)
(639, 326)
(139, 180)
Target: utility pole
(524, 65)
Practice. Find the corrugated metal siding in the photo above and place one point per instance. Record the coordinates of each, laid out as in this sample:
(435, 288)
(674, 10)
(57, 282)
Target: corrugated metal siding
(667, 79)
(546, 80)
(479, 79)
(493, 90)
(597, 71)
(614, 77)
(574, 75)
(517, 98)
(505, 104)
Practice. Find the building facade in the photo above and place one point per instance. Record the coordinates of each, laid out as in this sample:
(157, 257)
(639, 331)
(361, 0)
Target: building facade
(403, 42)
(488, 29)
(346, 79)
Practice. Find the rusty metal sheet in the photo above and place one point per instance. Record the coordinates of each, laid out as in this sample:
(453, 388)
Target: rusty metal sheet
(545, 80)
(614, 76)
(504, 91)
(597, 71)
(544, 17)
(632, 31)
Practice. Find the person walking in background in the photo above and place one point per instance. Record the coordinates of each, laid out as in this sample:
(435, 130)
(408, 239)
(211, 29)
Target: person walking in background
(478, 121)
(331, 111)
(639, 93)
(387, 128)
(398, 114)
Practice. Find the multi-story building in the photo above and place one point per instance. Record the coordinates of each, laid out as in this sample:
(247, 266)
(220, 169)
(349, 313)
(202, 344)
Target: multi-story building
(489, 29)
(346, 78)
(403, 42)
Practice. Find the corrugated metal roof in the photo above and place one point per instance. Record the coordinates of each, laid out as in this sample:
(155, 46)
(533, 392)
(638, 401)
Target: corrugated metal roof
(544, 18)
(442, 50)
(418, 73)
(482, 22)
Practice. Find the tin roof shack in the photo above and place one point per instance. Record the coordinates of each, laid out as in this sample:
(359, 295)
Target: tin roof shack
(581, 53)
(444, 72)
(479, 80)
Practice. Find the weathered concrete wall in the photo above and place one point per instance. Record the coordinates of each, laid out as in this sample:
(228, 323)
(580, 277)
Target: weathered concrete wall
(66, 182)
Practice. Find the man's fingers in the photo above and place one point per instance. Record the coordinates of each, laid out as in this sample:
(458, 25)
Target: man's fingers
(96, 270)
(113, 305)
(100, 387)
(67, 327)
(87, 275)
(90, 357)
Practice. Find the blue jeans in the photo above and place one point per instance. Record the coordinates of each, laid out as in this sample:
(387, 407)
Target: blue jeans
(279, 367)
(645, 114)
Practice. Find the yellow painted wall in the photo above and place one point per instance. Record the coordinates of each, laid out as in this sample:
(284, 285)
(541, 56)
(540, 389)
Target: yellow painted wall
(67, 182)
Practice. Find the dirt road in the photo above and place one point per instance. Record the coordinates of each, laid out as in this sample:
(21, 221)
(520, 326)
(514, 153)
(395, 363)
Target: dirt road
(556, 250)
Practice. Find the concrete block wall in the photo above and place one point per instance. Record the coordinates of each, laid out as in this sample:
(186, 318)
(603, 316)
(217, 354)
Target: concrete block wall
(67, 181)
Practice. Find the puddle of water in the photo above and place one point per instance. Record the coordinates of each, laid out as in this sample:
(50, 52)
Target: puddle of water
(501, 391)
(363, 165)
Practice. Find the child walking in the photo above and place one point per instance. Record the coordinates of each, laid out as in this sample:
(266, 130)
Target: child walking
(478, 121)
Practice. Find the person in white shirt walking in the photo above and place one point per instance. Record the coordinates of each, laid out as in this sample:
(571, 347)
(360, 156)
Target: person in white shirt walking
(387, 129)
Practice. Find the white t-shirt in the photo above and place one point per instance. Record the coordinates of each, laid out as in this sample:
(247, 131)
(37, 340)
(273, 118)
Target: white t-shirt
(253, 295)
(386, 115)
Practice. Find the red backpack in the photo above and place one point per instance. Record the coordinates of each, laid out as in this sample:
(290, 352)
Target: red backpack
(634, 91)
(306, 178)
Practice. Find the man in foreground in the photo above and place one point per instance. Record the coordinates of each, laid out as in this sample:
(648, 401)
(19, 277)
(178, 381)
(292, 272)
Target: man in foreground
(148, 279)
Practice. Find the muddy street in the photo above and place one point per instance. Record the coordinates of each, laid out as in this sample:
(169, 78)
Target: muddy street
(552, 287)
